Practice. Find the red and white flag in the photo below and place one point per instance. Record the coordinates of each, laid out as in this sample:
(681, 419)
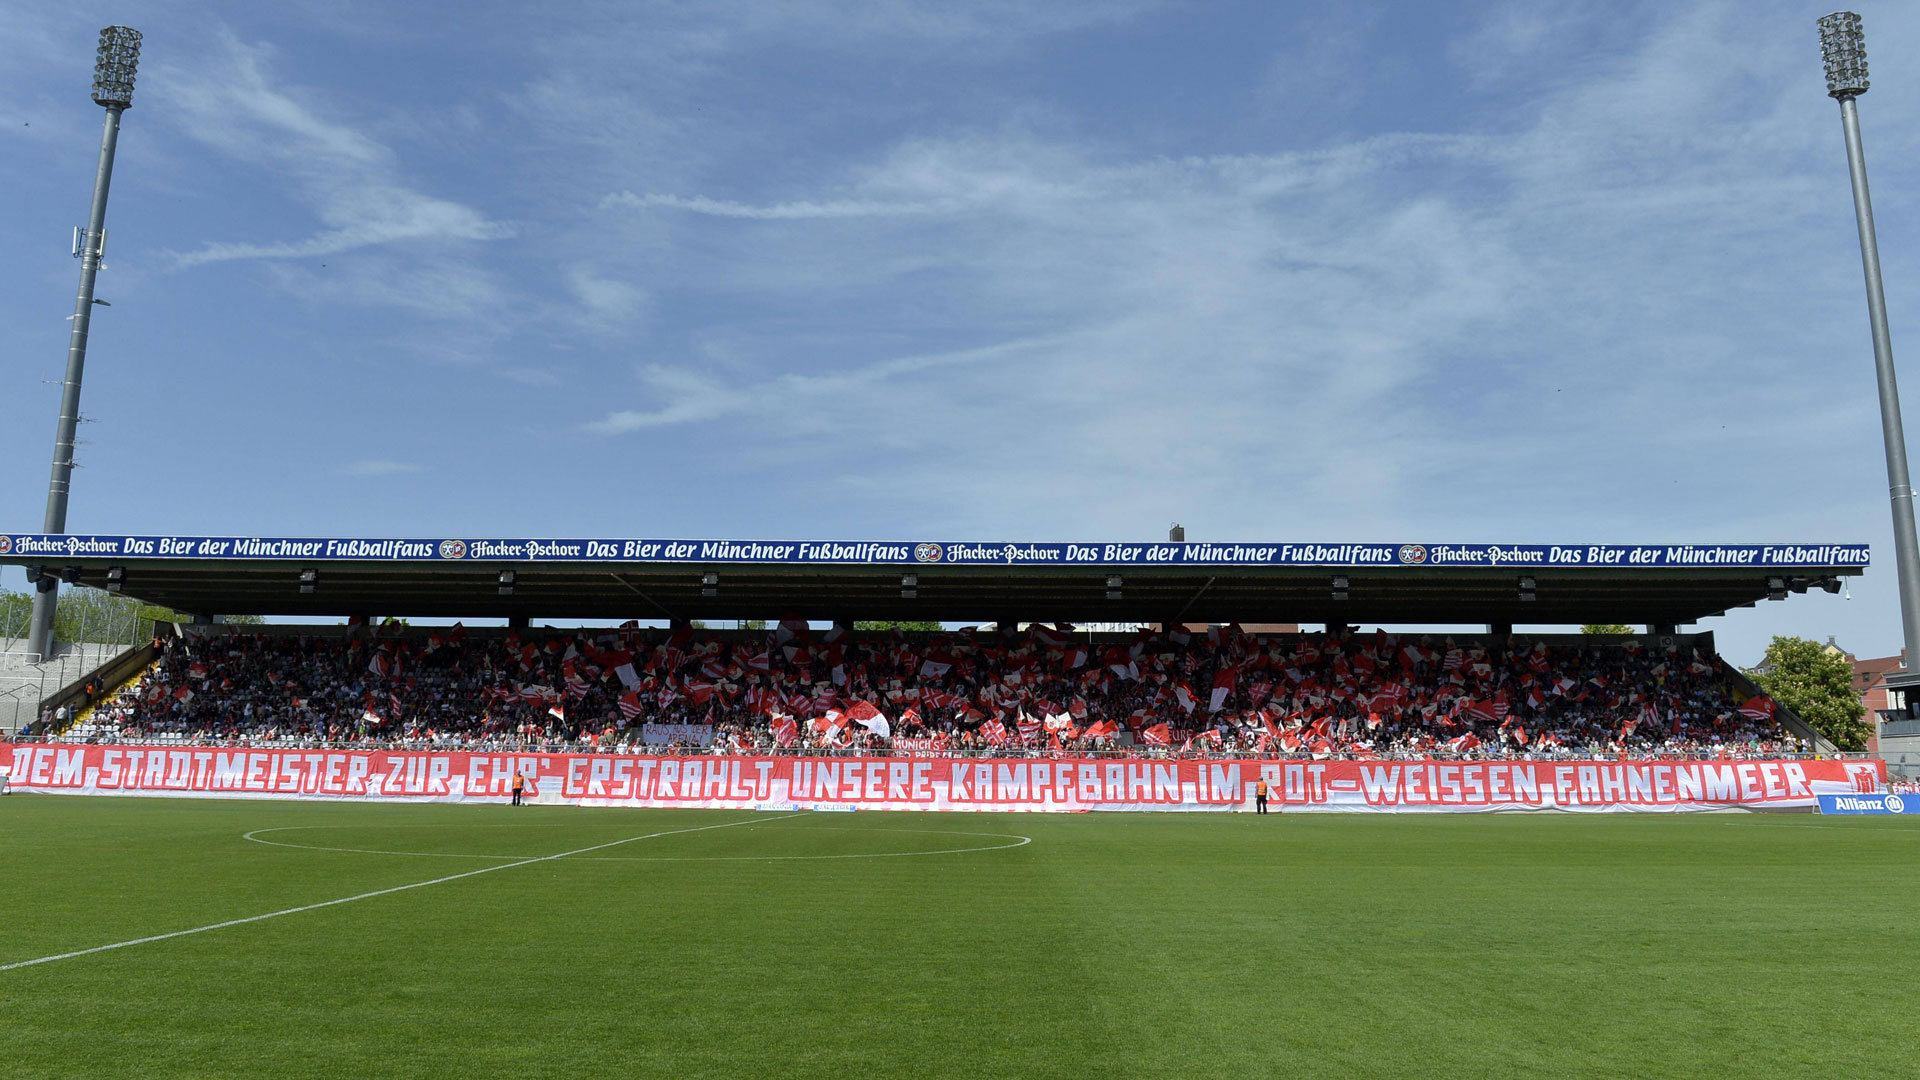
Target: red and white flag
(785, 731)
(1157, 735)
(868, 716)
(1223, 682)
(1183, 695)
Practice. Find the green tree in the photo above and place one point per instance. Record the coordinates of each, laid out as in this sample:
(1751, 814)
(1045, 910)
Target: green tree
(95, 616)
(1817, 683)
(1600, 629)
(884, 625)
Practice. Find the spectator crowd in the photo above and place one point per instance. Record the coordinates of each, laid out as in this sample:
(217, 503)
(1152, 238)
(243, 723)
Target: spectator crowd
(1041, 689)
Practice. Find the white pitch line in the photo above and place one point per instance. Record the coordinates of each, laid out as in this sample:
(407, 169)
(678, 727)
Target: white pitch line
(1018, 841)
(371, 895)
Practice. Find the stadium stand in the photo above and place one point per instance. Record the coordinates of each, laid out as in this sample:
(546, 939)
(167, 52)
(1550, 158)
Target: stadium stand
(1043, 689)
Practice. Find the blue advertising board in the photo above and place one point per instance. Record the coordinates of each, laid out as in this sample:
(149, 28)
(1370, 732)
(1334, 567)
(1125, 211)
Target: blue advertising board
(1870, 804)
(31, 547)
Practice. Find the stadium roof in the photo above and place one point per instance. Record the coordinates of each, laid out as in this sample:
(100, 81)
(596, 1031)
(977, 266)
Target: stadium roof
(553, 579)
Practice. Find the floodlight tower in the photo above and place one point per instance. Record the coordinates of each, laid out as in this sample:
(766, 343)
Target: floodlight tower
(1843, 47)
(115, 63)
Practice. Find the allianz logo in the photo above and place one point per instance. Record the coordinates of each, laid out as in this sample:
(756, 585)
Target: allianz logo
(1892, 804)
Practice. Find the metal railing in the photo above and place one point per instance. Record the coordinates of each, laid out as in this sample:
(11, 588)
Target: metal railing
(94, 628)
(560, 746)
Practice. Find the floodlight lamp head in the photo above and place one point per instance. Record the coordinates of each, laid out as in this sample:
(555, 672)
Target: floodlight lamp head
(115, 62)
(1844, 48)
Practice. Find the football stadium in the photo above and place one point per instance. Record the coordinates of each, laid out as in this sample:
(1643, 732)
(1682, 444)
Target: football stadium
(449, 801)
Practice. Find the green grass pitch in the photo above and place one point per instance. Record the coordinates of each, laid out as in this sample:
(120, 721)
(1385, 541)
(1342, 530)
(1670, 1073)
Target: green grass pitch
(1127, 945)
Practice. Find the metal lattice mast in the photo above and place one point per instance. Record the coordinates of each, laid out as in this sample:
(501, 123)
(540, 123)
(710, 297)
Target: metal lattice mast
(115, 63)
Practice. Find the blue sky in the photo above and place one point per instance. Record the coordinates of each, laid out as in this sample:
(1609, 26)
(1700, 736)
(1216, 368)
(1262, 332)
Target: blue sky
(1542, 271)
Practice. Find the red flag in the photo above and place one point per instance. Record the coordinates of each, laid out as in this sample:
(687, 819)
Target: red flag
(630, 706)
(1157, 735)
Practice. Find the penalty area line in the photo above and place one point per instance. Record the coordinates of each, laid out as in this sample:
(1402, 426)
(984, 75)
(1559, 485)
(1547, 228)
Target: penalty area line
(370, 895)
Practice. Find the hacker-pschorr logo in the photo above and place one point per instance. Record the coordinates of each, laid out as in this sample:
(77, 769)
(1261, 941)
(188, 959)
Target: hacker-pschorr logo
(6, 544)
(1413, 553)
(453, 549)
(929, 552)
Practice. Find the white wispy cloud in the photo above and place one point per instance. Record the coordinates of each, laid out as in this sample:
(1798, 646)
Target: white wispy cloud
(352, 182)
(787, 211)
(607, 299)
(1404, 331)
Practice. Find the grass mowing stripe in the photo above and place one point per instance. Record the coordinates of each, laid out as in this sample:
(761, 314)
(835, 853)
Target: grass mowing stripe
(369, 895)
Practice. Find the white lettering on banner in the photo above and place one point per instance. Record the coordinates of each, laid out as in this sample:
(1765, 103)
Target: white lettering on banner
(32, 546)
(939, 783)
(667, 734)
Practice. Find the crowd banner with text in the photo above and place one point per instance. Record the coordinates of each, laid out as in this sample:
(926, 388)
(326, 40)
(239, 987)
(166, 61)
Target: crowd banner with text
(684, 734)
(938, 783)
(20, 547)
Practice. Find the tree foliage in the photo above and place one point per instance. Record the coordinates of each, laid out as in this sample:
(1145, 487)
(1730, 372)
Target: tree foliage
(1817, 683)
(1601, 629)
(95, 616)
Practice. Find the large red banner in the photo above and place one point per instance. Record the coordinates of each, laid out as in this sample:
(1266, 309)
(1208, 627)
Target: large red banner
(936, 783)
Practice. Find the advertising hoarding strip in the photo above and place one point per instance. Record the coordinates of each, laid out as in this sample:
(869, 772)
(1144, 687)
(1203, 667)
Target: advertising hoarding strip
(20, 547)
